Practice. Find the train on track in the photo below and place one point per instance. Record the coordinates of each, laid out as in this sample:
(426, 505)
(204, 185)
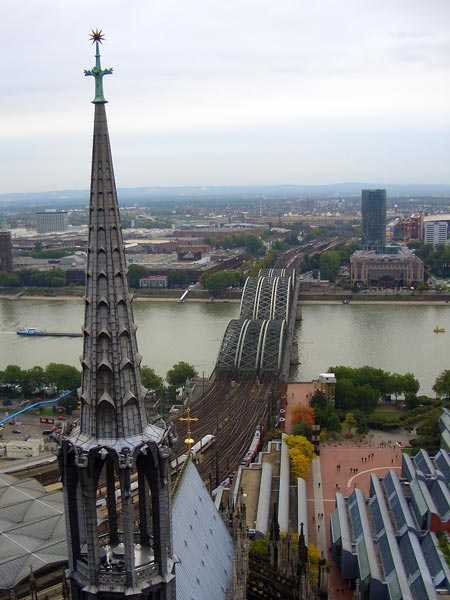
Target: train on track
(253, 448)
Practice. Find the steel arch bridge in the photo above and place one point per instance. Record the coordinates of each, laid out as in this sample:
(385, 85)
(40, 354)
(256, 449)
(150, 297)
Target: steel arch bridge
(252, 345)
(256, 341)
(267, 297)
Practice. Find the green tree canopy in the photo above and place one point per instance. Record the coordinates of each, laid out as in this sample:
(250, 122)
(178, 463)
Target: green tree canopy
(150, 379)
(442, 385)
(219, 281)
(64, 377)
(135, 273)
(349, 423)
(181, 371)
(329, 265)
(177, 278)
(361, 388)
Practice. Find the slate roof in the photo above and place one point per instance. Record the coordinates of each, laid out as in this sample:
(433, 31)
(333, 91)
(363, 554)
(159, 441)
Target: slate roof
(32, 529)
(202, 545)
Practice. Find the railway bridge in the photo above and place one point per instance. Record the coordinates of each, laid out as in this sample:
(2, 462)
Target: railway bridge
(260, 339)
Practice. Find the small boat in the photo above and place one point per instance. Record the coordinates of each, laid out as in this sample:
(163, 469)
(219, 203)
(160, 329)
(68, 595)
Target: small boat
(33, 332)
(439, 329)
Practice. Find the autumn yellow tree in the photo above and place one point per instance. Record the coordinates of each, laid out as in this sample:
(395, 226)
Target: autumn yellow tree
(301, 453)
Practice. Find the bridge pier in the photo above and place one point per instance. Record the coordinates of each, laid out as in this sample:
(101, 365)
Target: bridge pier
(299, 314)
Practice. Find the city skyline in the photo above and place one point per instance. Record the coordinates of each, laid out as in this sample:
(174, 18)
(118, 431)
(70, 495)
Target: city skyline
(242, 94)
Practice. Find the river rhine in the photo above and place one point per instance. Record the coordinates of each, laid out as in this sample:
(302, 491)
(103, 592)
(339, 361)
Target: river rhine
(393, 337)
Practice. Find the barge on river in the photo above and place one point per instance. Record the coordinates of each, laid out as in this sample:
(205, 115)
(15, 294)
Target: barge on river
(33, 332)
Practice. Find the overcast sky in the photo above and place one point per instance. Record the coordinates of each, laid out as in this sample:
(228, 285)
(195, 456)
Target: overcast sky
(227, 92)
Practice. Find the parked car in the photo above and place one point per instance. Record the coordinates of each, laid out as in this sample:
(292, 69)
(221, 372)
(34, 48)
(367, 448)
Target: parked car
(16, 431)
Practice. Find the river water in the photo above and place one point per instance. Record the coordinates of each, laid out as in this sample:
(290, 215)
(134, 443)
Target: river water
(395, 338)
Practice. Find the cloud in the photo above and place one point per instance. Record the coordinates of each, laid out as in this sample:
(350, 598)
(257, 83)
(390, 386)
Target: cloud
(214, 69)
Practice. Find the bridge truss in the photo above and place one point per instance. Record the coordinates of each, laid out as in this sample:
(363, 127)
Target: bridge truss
(255, 342)
(252, 345)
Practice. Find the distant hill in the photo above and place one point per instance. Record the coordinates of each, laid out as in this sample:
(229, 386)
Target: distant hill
(184, 194)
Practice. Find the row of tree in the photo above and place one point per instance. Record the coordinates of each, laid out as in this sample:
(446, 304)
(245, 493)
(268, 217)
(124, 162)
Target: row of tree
(33, 277)
(56, 377)
(252, 243)
(362, 388)
(436, 258)
(219, 281)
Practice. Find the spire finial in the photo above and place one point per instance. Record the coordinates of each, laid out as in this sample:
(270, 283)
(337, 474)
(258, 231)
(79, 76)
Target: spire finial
(97, 72)
(188, 441)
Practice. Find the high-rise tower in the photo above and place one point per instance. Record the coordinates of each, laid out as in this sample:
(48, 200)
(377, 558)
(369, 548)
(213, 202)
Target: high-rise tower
(373, 210)
(124, 548)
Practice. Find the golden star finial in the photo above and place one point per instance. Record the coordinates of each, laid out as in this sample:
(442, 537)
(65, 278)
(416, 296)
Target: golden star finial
(97, 35)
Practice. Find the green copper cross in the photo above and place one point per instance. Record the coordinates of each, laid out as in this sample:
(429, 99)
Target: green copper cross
(97, 71)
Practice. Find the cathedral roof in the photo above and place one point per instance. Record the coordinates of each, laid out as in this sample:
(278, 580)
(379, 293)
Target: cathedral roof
(202, 545)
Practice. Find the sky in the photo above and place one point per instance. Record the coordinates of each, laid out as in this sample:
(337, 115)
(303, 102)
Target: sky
(239, 92)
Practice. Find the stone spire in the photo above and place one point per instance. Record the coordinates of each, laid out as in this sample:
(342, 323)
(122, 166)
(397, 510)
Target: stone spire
(111, 392)
(115, 448)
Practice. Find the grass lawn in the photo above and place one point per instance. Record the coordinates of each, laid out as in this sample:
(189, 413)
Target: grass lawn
(389, 415)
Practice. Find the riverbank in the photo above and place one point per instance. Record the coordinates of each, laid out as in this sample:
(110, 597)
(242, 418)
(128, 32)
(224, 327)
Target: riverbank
(331, 296)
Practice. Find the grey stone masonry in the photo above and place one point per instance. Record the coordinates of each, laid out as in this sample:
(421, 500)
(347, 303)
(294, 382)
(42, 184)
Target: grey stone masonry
(111, 392)
(115, 464)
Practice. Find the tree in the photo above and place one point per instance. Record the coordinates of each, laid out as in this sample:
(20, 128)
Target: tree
(442, 385)
(177, 278)
(345, 395)
(428, 433)
(330, 263)
(64, 377)
(12, 375)
(150, 379)
(219, 281)
(36, 376)
(368, 398)
(181, 371)
(135, 273)
(349, 423)
(303, 414)
(301, 453)
(302, 428)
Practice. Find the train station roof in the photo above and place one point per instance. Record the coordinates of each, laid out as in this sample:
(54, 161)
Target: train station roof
(32, 529)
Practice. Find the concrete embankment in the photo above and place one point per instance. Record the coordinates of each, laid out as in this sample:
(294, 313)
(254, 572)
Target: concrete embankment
(326, 296)
(371, 297)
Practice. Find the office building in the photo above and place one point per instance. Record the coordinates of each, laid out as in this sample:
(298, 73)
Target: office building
(373, 210)
(435, 230)
(52, 221)
(5, 252)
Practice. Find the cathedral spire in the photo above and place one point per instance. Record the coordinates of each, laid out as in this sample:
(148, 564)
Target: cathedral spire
(112, 395)
(131, 554)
